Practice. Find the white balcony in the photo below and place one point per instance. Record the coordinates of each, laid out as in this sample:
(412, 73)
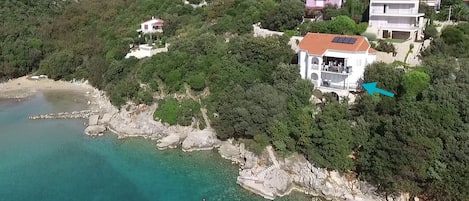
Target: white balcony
(395, 1)
(399, 27)
(397, 14)
(343, 70)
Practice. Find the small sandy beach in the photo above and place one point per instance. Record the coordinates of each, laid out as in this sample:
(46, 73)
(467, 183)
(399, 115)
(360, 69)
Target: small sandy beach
(24, 87)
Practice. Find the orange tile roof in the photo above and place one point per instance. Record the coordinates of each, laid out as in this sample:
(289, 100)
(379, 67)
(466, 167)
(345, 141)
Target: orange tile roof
(319, 43)
(372, 51)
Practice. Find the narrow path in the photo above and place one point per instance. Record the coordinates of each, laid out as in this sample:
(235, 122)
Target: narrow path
(203, 110)
(272, 156)
(189, 93)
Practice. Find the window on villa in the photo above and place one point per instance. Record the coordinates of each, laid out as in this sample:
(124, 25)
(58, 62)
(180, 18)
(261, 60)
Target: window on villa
(315, 60)
(145, 26)
(384, 9)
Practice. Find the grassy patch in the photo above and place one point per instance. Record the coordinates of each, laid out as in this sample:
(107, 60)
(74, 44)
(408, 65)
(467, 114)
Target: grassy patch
(167, 111)
(173, 112)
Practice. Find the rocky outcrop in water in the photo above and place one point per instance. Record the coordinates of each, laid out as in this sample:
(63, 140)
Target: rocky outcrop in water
(201, 140)
(138, 121)
(96, 130)
(84, 114)
(173, 138)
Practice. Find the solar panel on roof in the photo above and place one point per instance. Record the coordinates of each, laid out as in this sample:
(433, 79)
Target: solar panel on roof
(341, 40)
(345, 40)
(352, 40)
(335, 39)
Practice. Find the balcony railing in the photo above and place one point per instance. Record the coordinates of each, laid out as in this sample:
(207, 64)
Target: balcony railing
(399, 26)
(394, 12)
(337, 69)
(328, 84)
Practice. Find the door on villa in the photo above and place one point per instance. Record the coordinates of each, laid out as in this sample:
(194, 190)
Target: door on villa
(385, 34)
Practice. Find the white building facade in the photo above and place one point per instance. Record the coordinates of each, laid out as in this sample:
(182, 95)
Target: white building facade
(335, 63)
(398, 19)
(154, 25)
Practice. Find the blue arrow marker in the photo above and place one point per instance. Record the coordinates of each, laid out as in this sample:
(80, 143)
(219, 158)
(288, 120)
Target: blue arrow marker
(371, 88)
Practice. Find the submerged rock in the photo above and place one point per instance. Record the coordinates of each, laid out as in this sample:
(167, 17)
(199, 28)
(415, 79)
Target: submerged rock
(95, 130)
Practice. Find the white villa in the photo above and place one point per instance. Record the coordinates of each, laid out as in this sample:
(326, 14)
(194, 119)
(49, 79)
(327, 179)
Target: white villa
(397, 19)
(154, 25)
(140, 51)
(335, 63)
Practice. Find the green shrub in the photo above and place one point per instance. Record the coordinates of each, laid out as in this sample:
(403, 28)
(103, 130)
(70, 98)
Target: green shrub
(262, 139)
(290, 33)
(188, 109)
(361, 27)
(415, 82)
(144, 97)
(173, 112)
(197, 81)
(116, 99)
(430, 32)
(387, 47)
(122, 91)
(167, 111)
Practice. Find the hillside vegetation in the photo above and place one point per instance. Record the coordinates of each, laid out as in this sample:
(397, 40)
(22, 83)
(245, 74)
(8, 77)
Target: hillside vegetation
(416, 142)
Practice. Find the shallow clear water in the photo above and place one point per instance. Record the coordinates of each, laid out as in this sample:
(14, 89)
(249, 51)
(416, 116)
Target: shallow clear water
(52, 160)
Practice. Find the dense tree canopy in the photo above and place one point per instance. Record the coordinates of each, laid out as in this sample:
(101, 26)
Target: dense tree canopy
(21, 41)
(419, 145)
(340, 25)
(287, 15)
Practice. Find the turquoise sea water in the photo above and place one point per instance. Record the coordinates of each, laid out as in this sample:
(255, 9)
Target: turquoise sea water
(51, 160)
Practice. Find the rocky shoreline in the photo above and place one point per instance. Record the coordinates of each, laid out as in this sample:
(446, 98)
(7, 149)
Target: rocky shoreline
(262, 174)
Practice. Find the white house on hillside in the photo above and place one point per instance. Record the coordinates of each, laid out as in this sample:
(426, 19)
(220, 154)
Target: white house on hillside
(150, 27)
(398, 19)
(334, 63)
(432, 3)
(154, 25)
